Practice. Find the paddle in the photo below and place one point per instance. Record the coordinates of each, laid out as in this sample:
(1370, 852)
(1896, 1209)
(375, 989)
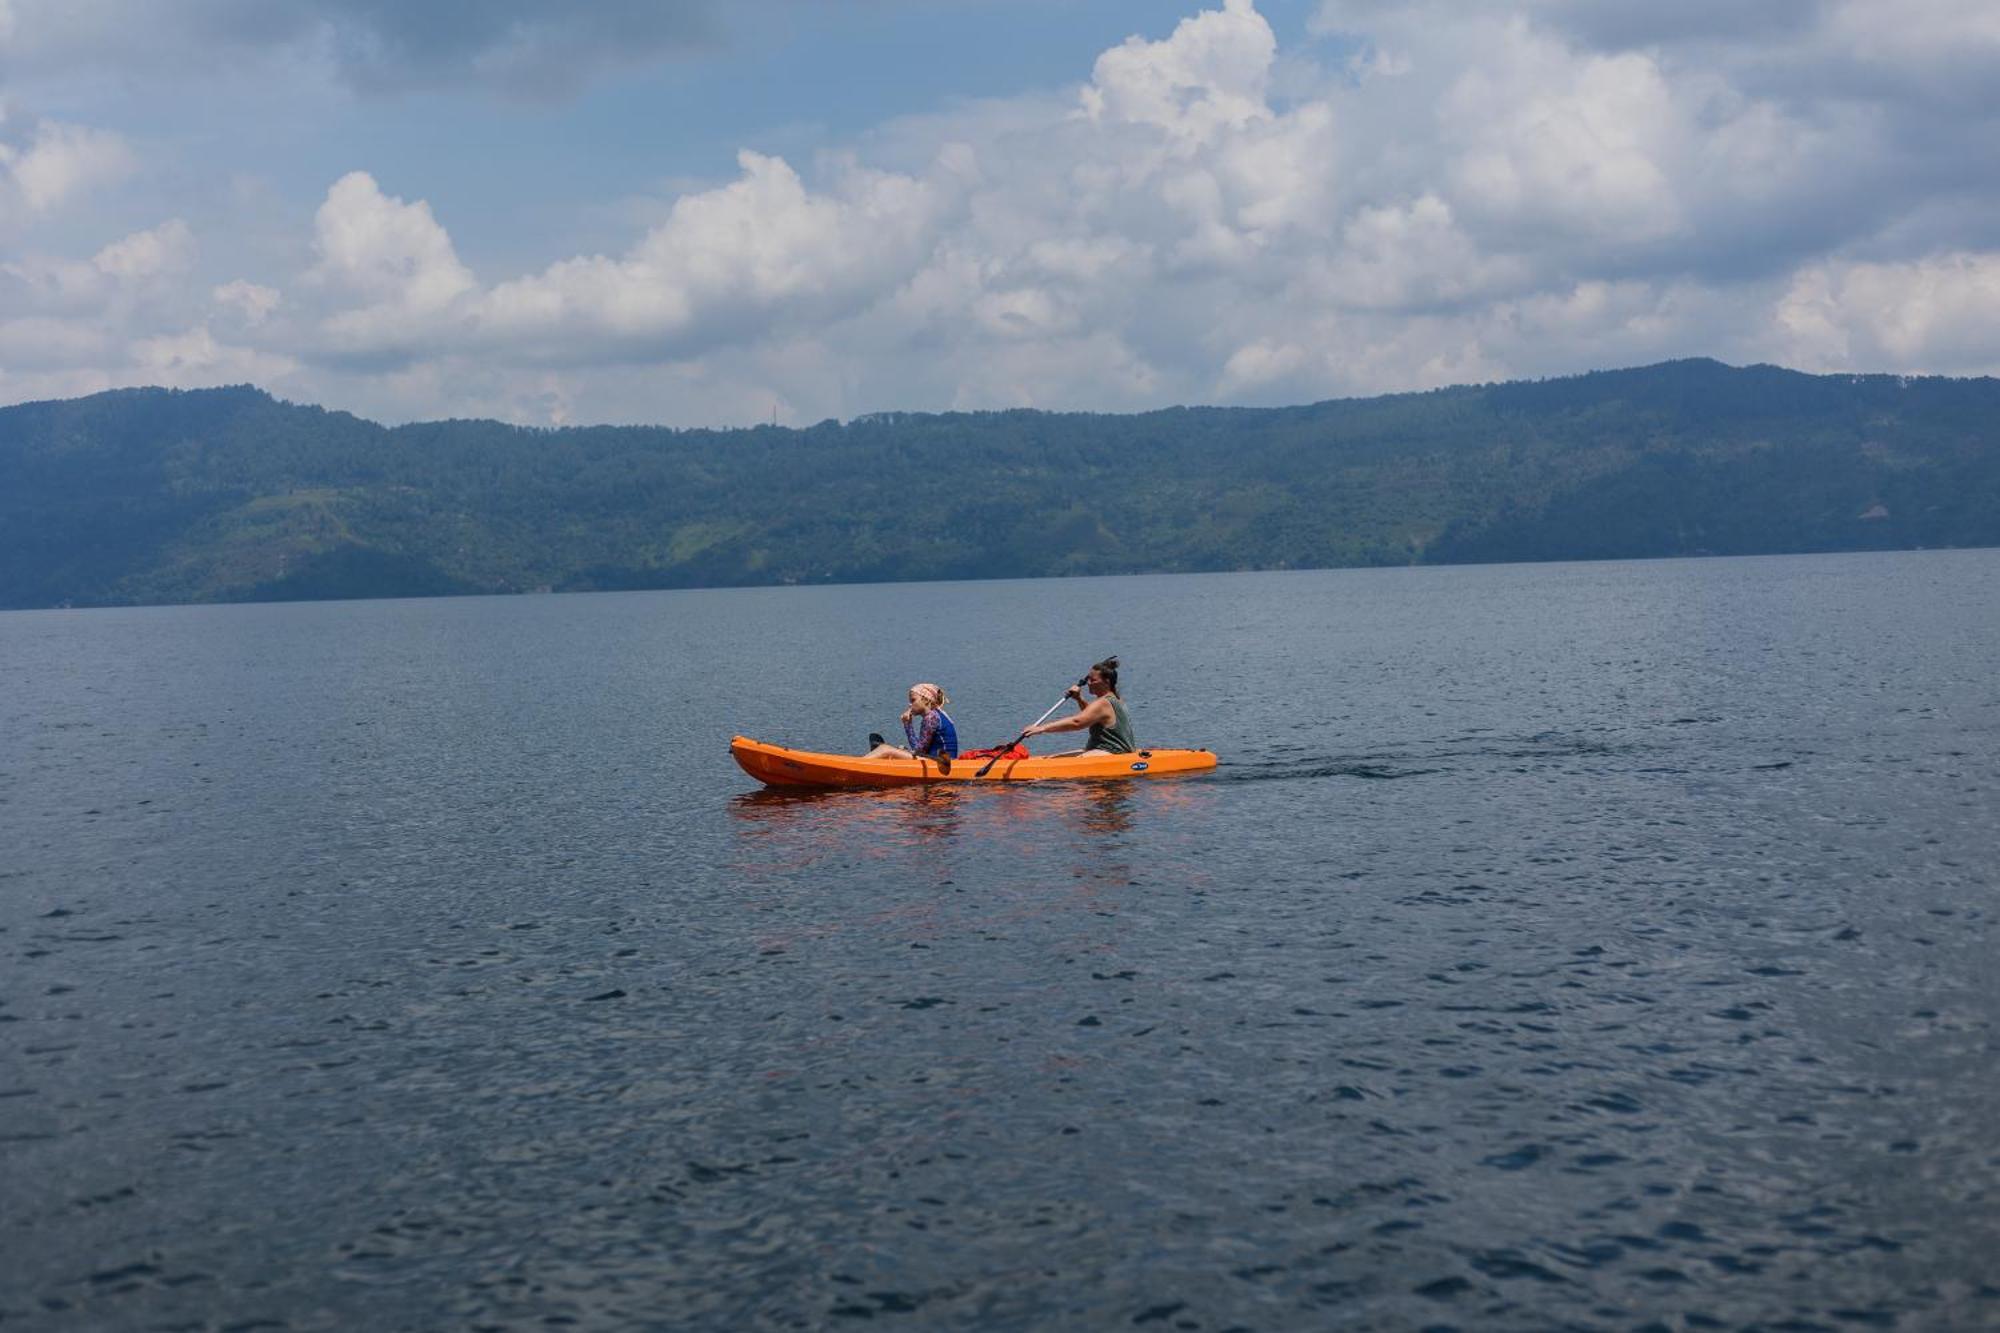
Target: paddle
(1025, 730)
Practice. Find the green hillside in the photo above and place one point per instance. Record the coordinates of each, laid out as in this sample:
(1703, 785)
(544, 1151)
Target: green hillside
(153, 495)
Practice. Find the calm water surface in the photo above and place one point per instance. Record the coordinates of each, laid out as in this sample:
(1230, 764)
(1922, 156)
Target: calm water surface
(1588, 946)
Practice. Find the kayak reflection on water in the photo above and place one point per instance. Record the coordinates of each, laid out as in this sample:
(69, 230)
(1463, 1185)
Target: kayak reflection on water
(867, 822)
(877, 821)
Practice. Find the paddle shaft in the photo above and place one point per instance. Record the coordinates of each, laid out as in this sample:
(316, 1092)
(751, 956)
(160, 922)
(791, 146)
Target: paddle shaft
(1025, 730)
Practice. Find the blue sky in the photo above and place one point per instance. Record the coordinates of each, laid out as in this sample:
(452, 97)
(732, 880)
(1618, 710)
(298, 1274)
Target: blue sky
(703, 213)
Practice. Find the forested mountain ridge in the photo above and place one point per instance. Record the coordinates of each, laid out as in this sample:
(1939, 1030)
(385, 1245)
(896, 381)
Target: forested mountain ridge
(155, 495)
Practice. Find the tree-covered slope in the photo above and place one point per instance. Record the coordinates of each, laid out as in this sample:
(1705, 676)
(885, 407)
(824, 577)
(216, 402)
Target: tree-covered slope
(154, 495)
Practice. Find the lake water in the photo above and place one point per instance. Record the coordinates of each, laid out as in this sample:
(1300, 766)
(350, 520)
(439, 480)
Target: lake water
(1593, 946)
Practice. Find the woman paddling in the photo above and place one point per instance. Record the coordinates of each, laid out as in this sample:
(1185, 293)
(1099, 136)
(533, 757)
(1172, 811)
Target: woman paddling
(926, 726)
(1110, 726)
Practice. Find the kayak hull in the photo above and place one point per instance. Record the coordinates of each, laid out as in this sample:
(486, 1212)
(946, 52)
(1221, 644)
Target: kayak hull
(781, 766)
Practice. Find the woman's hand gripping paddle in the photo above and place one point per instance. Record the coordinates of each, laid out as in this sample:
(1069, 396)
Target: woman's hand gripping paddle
(1025, 730)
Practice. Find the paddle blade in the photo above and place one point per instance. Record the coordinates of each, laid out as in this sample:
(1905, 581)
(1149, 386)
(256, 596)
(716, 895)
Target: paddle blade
(987, 767)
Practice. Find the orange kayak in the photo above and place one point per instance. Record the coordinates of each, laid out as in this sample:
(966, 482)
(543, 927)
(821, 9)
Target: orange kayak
(778, 766)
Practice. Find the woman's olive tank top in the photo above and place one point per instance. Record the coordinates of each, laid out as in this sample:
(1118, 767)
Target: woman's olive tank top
(1117, 738)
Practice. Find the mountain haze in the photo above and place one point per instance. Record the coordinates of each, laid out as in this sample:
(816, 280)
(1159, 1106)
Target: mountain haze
(155, 495)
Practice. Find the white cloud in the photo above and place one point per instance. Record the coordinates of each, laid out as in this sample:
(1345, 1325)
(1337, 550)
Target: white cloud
(58, 162)
(1470, 189)
(116, 319)
(381, 248)
(1183, 146)
(725, 265)
(1409, 256)
(193, 358)
(56, 357)
(1565, 145)
(394, 257)
(251, 302)
(163, 251)
(1209, 78)
(1262, 363)
(41, 342)
(1487, 190)
(1923, 33)
(127, 268)
(43, 283)
(1937, 314)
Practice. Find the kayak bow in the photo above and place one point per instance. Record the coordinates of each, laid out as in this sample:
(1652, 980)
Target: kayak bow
(780, 766)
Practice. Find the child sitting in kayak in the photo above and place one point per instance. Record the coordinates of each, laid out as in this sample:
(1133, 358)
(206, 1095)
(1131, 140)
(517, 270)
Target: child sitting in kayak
(926, 726)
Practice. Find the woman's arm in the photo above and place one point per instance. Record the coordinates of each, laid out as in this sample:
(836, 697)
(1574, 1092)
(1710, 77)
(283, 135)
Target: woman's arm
(1097, 710)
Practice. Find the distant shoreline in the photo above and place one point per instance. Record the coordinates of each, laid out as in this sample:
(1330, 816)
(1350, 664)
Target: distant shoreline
(165, 497)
